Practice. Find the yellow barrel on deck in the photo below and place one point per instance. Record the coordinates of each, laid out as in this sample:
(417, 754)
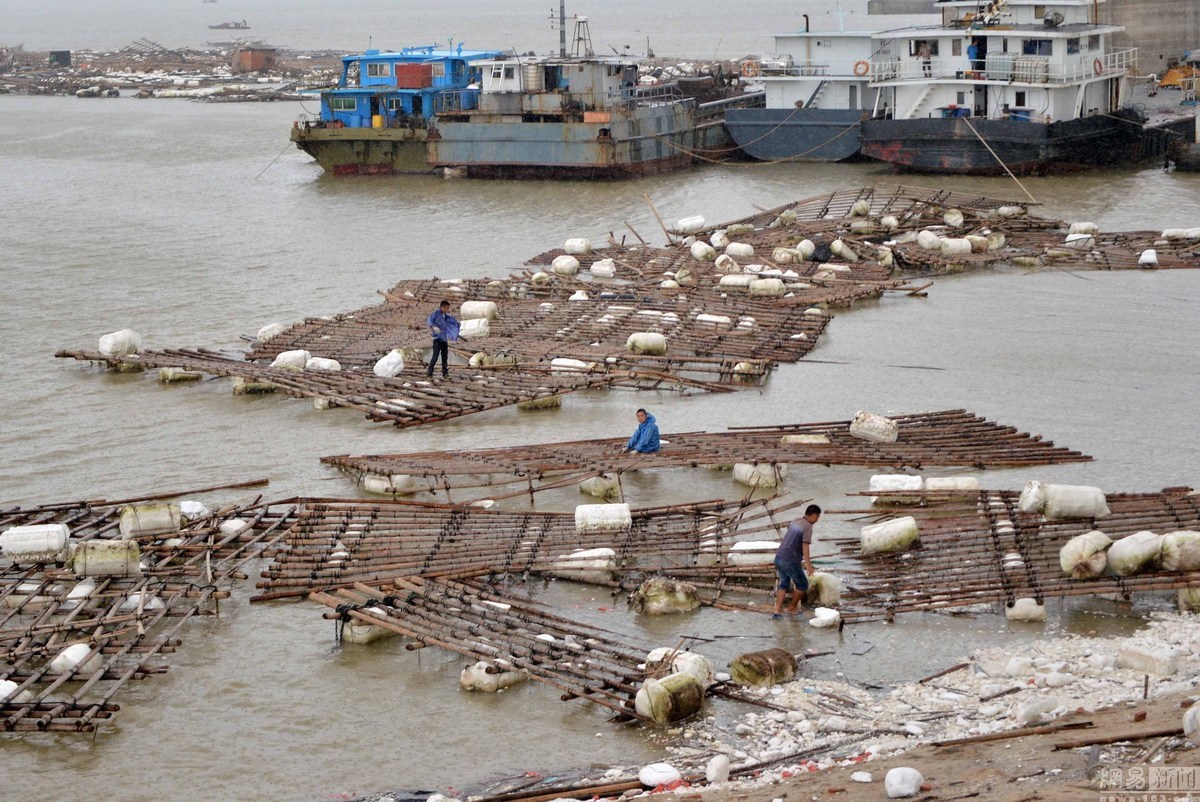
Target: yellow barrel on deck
(377, 121)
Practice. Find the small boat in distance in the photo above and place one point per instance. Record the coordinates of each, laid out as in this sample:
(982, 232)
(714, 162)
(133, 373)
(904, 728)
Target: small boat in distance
(231, 26)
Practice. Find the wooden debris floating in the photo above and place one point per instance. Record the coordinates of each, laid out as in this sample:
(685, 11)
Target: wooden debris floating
(949, 438)
(978, 548)
(118, 627)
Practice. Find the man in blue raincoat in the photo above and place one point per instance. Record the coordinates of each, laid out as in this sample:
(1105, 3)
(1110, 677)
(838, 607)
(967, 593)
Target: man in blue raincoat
(444, 328)
(645, 439)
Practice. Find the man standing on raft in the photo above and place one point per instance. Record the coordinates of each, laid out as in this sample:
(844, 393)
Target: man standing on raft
(792, 559)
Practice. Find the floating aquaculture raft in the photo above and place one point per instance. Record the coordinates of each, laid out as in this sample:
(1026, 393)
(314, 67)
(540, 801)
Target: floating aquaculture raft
(978, 547)
(949, 438)
(76, 627)
(336, 544)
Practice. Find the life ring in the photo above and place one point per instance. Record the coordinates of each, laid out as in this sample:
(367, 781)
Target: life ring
(1098, 67)
(750, 69)
(861, 68)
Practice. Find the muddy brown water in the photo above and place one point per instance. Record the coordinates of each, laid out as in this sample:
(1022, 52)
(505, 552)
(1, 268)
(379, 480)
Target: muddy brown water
(150, 215)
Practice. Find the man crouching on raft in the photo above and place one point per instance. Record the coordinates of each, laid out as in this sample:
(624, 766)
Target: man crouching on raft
(792, 559)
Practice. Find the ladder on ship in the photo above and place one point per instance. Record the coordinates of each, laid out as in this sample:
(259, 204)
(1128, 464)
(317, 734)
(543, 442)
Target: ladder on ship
(812, 100)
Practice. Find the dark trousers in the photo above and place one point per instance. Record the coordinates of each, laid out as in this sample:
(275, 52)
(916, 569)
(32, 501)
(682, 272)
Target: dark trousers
(439, 347)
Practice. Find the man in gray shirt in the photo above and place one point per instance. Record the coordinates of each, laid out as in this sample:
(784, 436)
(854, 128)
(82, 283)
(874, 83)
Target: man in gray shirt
(792, 559)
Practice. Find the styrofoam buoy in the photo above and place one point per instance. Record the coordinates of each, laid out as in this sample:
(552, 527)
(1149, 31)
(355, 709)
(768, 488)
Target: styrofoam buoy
(690, 225)
(76, 658)
(150, 519)
(565, 265)
(602, 518)
(120, 343)
(703, 251)
(291, 360)
(391, 364)
(35, 543)
(271, 330)
(578, 246)
(739, 250)
(1148, 258)
(472, 310)
(603, 268)
(897, 534)
(322, 364)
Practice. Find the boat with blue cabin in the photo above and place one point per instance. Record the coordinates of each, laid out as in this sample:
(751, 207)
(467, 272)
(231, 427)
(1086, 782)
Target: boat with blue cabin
(1026, 86)
(377, 118)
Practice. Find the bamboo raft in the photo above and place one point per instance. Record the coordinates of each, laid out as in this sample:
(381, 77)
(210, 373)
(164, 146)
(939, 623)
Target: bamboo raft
(410, 399)
(949, 438)
(182, 576)
(510, 633)
(967, 547)
(337, 544)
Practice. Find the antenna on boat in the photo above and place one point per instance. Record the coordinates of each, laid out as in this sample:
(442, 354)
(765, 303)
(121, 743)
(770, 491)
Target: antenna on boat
(583, 36)
(562, 28)
(841, 15)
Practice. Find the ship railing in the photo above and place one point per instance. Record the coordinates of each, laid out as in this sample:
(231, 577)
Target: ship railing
(836, 69)
(716, 108)
(1017, 69)
(643, 95)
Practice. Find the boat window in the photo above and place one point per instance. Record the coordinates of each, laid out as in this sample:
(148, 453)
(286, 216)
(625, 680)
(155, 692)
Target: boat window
(1039, 12)
(1094, 42)
(914, 46)
(1073, 45)
(960, 99)
(342, 104)
(956, 47)
(1035, 47)
(377, 69)
(439, 69)
(1020, 98)
(509, 72)
(395, 104)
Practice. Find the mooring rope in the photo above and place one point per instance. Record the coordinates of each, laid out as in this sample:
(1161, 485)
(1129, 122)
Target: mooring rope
(967, 120)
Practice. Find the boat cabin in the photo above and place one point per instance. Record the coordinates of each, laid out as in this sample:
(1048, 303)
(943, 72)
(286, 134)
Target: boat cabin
(554, 86)
(1007, 59)
(384, 88)
(819, 69)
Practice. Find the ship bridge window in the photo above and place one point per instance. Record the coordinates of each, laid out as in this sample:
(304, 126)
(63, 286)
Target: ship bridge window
(377, 69)
(439, 69)
(1035, 47)
(914, 46)
(1073, 45)
(1094, 42)
(342, 104)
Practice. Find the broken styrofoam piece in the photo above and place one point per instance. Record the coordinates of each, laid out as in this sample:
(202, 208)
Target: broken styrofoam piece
(657, 774)
(825, 618)
(902, 782)
(1148, 657)
(875, 428)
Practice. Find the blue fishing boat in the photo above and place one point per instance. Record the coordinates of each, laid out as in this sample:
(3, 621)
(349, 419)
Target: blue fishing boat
(376, 120)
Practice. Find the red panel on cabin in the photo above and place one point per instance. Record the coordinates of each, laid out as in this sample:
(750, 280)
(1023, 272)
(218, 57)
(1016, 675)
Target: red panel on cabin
(414, 76)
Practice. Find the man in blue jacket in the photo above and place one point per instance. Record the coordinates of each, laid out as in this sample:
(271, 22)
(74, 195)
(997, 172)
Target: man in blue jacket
(443, 327)
(645, 439)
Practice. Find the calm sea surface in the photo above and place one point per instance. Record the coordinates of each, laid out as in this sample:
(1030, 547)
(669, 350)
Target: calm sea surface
(159, 216)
